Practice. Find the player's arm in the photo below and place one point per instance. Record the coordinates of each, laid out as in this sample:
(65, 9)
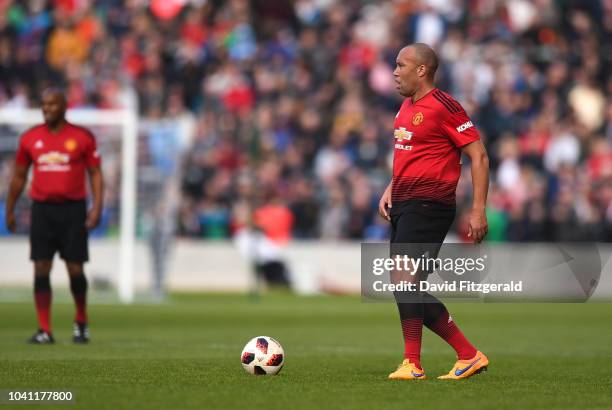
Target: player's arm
(478, 227)
(385, 202)
(96, 182)
(462, 132)
(18, 181)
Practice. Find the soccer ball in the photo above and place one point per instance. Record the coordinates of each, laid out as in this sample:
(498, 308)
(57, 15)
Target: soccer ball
(262, 355)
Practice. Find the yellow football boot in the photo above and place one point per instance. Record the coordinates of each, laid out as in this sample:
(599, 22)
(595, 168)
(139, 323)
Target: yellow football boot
(407, 371)
(466, 368)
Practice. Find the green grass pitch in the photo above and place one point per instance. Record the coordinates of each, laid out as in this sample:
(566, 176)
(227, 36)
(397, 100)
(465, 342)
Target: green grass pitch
(185, 354)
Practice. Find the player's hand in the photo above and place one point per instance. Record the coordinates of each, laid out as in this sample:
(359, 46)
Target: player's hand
(11, 222)
(93, 218)
(478, 226)
(385, 204)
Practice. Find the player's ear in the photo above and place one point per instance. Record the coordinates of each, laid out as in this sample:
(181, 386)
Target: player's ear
(422, 70)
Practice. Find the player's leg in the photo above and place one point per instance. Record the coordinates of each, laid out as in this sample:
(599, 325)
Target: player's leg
(409, 306)
(411, 311)
(78, 288)
(74, 251)
(411, 319)
(43, 245)
(42, 301)
(435, 316)
(438, 320)
(420, 229)
(469, 360)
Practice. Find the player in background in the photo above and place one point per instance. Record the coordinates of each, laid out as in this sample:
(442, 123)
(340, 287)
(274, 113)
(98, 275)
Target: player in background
(431, 131)
(61, 154)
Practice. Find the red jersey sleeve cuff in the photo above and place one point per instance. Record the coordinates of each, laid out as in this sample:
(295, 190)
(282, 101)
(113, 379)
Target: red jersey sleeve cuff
(467, 141)
(22, 161)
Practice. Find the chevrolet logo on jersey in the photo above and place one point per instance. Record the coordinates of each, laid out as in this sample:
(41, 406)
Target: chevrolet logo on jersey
(54, 157)
(402, 134)
(54, 161)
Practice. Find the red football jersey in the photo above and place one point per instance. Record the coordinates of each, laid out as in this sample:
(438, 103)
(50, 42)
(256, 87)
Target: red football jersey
(59, 160)
(427, 157)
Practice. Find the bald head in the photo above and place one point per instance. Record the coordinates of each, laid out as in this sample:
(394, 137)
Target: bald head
(415, 69)
(55, 93)
(54, 107)
(424, 55)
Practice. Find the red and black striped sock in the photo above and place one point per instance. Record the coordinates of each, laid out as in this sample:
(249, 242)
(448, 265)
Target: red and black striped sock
(412, 329)
(42, 300)
(411, 317)
(439, 321)
(78, 287)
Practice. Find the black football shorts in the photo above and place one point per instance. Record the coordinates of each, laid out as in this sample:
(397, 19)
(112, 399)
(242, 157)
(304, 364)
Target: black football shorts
(417, 221)
(59, 227)
(419, 227)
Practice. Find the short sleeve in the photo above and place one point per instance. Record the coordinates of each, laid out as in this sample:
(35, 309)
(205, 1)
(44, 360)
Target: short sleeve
(459, 128)
(23, 157)
(92, 156)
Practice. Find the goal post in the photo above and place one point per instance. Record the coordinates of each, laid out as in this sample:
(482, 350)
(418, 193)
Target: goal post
(127, 120)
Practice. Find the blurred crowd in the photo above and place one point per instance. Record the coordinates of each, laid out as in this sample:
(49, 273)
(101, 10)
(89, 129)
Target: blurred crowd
(292, 102)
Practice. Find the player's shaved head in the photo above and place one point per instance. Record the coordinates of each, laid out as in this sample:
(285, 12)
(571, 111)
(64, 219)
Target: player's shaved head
(415, 69)
(54, 92)
(54, 106)
(423, 54)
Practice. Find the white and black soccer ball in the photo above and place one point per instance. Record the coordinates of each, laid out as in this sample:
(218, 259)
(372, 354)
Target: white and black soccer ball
(262, 355)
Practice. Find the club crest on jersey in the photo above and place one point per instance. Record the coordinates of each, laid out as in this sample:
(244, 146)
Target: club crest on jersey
(39, 144)
(417, 118)
(402, 134)
(70, 144)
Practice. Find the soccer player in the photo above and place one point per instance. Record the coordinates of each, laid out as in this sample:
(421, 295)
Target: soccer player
(431, 131)
(61, 154)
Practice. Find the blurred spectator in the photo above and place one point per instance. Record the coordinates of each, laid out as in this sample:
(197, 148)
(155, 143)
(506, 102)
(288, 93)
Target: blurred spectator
(275, 220)
(66, 45)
